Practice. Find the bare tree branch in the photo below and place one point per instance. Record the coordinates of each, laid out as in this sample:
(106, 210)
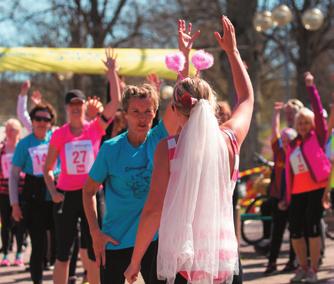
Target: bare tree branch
(120, 5)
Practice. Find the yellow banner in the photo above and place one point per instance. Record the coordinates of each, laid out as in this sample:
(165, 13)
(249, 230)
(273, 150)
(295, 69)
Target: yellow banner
(132, 62)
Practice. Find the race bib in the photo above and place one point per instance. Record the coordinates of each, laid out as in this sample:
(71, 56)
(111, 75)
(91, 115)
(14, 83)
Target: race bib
(297, 161)
(38, 157)
(6, 164)
(79, 157)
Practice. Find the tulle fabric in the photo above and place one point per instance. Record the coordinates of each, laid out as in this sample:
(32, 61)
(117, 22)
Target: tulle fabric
(196, 235)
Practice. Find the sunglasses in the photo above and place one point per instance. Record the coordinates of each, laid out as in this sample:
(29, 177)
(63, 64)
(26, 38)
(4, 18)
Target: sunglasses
(42, 118)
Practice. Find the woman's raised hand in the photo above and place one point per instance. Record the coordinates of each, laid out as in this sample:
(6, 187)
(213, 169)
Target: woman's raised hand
(25, 88)
(110, 61)
(154, 80)
(309, 79)
(36, 97)
(185, 38)
(278, 106)
(228, 41)
(94, 106)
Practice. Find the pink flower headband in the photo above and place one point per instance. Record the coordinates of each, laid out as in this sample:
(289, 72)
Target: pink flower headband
(175, 62)
(201, 60)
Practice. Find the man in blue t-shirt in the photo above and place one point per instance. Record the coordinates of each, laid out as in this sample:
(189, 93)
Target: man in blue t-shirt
(125, 164)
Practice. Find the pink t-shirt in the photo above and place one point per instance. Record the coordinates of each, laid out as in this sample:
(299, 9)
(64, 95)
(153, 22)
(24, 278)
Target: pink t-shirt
(77, 153)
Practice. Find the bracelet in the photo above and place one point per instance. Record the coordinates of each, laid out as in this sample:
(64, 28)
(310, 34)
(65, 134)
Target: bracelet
(103, 117)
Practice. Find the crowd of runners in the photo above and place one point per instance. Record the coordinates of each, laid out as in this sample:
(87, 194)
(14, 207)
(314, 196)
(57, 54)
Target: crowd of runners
(131, 193)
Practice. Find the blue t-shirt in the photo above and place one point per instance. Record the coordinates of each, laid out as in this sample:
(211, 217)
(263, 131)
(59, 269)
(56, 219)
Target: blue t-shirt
(126, 171)
(30, 154)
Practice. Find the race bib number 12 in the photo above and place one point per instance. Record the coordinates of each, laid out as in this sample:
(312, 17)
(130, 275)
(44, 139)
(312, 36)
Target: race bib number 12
(79, 157)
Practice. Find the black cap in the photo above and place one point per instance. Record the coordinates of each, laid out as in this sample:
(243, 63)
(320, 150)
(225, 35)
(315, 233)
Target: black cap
(74, 95)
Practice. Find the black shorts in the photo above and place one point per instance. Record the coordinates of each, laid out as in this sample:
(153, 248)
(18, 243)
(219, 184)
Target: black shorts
(305, 213)
(66, 216)
(117, 262)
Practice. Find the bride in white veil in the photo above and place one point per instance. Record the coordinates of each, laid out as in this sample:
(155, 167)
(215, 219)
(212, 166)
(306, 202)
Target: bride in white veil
(190, 199)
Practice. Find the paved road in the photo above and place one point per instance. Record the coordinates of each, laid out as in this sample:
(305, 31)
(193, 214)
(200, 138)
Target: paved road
(253, 265)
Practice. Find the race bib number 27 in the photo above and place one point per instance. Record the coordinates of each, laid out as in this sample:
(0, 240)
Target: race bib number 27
(79, 157)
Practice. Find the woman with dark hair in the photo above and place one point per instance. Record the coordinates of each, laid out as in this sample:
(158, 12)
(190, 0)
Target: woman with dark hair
(36, 208)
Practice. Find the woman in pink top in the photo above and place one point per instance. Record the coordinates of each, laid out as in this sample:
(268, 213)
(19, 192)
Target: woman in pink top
(307, 172)
(76, 143)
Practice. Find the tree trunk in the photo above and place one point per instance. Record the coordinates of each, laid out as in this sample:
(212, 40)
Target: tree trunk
(248, 42)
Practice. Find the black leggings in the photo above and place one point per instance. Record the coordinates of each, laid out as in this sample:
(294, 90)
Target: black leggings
(279, 223)
(8, 226)
(117, 261)
(305, 214)
(66, 216)
(37, 217)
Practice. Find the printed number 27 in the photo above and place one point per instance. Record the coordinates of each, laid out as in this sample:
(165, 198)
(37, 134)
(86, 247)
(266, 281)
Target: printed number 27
(79, 157)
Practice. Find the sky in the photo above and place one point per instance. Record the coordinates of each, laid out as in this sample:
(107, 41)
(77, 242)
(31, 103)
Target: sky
(12, 35)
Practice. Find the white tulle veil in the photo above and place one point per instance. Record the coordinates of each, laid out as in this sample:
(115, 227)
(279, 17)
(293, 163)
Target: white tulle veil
(196, 234)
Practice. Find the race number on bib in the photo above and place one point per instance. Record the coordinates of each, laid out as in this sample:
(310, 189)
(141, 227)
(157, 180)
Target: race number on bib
(298, 163)
(79, 157)
(6, 164)
(38, 157)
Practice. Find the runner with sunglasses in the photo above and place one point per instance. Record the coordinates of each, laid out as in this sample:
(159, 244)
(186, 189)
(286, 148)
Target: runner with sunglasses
(36, 209)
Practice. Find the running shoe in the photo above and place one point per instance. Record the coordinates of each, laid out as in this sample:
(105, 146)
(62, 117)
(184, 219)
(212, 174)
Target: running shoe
(289, 267)
(311, 276)
(299, 275)
(72, 280)
(271, 269)
(4, 262)
(18, 262)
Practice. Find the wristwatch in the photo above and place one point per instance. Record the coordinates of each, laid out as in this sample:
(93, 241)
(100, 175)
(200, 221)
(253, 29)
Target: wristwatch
(103, 117)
